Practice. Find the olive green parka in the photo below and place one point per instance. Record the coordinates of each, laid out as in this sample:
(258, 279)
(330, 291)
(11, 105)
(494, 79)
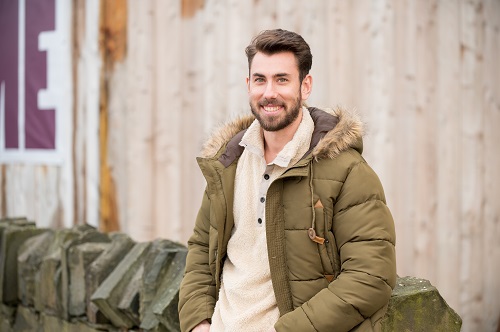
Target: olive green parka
(330, 235)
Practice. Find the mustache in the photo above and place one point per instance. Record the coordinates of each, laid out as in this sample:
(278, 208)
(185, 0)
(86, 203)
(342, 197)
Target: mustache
(274, 101)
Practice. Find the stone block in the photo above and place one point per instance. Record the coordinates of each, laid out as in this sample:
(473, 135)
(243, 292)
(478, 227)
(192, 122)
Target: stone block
(110, 293)
(164, 305)
(7, 315)
(50, 323)
(86, 234)
(48, 296)
(101, 268)
(27, 320)
(13, 237)
(416, 305)
(29, 259)
(5, 325)
(156, 267)
(79, 258)
(15, 221)
(129, 302)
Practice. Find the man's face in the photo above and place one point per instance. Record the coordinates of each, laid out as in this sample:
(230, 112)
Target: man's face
(274, 90)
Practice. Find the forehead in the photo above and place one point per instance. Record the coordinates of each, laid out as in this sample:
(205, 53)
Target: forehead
(269, 64)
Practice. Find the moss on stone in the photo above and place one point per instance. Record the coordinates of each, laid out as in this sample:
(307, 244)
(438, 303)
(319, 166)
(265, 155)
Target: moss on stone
(416, 305)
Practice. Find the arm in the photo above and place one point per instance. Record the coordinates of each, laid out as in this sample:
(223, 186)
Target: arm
(197, 291)
(365, 235)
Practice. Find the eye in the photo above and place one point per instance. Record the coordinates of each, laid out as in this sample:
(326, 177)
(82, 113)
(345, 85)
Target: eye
(258, 80)
(282, 80)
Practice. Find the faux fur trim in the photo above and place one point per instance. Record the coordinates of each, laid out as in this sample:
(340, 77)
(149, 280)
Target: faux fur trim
(346, 134)
(224, 133)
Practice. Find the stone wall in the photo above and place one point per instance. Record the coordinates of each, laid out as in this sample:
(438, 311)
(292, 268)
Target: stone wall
(82, 280)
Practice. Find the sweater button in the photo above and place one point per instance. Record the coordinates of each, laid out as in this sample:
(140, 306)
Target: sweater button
(259, 220)
(262, 199)
(266, 176)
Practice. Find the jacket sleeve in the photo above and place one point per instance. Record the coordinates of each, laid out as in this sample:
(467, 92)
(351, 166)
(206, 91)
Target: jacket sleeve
(197, 291)
(365, 236)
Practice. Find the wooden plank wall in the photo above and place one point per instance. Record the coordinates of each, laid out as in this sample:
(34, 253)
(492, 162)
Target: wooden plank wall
(424, 76)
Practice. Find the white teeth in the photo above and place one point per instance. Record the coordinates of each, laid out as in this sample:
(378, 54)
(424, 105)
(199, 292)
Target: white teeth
(271, 109)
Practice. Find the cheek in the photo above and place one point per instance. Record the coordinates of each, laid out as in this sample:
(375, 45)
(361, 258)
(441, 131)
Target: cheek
(255, 93)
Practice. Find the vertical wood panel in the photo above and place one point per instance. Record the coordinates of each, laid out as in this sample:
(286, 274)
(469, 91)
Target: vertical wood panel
(379, 75)
(425, 210)
(264, 16)
(315, 19)
(402, 204)
(167, 120)
(47, 196)
(211, 54)
(193, 65)
(338, 55)
(448, 153)
(91, 82)
(472, 166)
(491, 95)
(139, 127)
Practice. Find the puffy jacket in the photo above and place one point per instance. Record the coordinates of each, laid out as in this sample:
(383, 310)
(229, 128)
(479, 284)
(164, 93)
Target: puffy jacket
(330, 235)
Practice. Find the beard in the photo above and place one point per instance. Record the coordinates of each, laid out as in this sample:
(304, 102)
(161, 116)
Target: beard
(280, 121)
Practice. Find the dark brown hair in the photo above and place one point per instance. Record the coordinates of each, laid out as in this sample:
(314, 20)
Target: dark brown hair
(275, 41)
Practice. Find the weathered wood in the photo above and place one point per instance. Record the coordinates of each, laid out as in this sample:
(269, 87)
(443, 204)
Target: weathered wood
(139, 126)
(167, 120)
(472, 164)
(491, 182)
(448, 110)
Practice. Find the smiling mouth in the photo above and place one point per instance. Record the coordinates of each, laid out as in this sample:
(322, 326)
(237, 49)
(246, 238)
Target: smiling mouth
(272, 109)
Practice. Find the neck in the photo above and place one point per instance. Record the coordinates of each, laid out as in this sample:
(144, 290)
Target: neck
(275, 141)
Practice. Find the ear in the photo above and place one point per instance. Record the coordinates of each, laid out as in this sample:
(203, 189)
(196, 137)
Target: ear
(248, 84)
(306, 87)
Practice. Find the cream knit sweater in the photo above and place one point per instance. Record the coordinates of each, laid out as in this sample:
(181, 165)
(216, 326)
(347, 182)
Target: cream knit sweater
(246, 299)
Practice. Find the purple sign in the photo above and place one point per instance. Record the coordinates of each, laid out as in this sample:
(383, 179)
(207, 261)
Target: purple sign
(21, 62)
(9, 23)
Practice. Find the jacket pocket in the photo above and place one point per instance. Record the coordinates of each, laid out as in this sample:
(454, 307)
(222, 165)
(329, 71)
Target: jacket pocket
(331, 245)
(326, 260)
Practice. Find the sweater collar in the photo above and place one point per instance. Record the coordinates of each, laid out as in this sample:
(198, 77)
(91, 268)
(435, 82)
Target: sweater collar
(253, 141)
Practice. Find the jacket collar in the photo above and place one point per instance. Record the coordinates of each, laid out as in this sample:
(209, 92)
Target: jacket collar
(335, 130)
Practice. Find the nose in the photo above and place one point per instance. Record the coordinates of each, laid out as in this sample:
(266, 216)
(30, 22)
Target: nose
(270, 91)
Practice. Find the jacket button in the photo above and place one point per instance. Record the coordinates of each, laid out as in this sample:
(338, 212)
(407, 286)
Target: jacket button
(259, 220)
(266, 176)
(262, 199)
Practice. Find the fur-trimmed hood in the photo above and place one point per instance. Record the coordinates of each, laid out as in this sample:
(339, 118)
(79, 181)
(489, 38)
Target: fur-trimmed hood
(335, 130)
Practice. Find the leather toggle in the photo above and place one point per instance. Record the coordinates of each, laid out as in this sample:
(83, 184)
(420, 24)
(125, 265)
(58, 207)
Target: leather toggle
(312, 235)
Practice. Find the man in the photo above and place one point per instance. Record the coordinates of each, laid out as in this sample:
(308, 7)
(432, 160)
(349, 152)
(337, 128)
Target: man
(293, 233)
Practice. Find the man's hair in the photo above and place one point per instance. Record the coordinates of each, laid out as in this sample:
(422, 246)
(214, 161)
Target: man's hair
(275, 41)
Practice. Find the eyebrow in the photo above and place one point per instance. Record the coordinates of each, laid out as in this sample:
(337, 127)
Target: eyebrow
(275, 75)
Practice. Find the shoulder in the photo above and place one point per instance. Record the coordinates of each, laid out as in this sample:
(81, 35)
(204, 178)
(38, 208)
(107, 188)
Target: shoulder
(225, 134)
(336, 130)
